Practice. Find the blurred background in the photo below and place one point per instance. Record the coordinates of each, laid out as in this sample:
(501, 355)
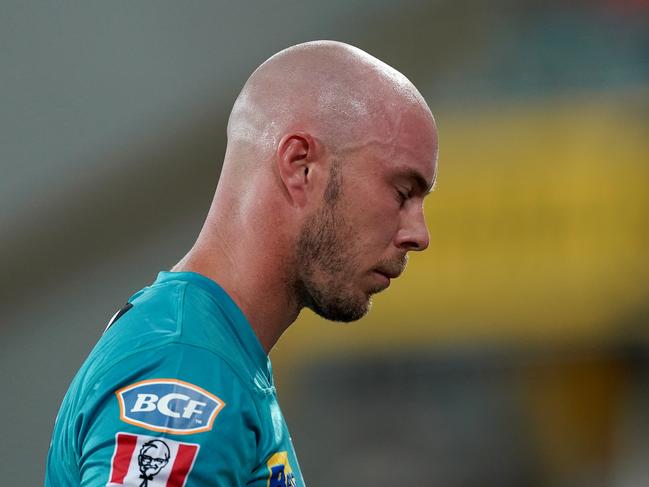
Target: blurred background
(514, 352)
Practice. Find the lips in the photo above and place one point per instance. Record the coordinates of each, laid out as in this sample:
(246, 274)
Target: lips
(390, 274)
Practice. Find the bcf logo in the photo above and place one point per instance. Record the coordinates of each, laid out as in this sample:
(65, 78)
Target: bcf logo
(168, 405)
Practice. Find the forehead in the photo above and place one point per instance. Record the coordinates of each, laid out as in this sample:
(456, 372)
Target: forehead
(416, 130)
(407, 149)
(152, 449)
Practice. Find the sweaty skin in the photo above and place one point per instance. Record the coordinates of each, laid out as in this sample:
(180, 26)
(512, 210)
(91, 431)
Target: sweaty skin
(325, 144)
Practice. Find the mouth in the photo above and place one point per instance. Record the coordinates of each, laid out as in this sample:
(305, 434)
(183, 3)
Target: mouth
(389, 274)
(383, 282)
(386, 272)
(385, 278)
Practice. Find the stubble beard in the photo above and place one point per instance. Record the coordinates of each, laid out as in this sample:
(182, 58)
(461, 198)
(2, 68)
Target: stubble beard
(325, 260)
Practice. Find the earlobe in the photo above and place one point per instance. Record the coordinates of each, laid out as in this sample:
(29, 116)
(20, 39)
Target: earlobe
(295, 153)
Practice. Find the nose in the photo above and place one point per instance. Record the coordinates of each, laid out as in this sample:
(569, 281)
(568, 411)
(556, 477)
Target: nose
(413, 233)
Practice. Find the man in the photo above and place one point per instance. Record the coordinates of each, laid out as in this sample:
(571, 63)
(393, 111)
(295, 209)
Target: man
(330, 154)
(153, 457)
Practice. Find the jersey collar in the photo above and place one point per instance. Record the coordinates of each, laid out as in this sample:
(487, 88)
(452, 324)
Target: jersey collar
(243, 327)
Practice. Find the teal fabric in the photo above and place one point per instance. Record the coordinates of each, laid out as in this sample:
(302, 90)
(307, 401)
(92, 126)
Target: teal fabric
(185, 327)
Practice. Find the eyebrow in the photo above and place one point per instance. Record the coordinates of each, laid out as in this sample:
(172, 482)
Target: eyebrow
(424, 187)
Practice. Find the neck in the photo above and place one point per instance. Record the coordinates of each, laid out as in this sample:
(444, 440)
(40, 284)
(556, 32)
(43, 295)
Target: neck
(253, 277)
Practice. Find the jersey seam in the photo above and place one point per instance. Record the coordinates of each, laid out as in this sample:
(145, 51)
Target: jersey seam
(176, 341)
(213, 299)
(181, 309)
(177, 338)
(244, 380)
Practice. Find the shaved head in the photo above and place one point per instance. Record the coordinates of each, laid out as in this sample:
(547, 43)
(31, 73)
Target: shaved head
(337, 92)
(330, 155)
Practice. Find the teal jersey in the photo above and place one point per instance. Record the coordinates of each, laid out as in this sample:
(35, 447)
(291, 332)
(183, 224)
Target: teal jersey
(177, 392)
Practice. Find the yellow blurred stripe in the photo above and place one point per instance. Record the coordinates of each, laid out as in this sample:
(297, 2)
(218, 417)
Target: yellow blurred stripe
(539, 231)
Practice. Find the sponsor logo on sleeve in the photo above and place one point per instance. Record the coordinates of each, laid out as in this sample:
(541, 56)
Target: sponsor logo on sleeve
(168, 406)
(281, 474)
(146, 461)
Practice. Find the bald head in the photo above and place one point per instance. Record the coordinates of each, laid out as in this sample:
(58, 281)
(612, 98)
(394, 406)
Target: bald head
(330, 155)
(336, 92)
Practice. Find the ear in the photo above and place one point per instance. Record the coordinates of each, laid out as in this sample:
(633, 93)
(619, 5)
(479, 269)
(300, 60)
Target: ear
(296, 154)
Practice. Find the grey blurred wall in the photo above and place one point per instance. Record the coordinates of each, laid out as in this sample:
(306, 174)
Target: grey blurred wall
(111, 136)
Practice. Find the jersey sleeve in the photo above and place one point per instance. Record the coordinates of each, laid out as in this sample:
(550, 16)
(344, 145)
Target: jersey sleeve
(174, 415)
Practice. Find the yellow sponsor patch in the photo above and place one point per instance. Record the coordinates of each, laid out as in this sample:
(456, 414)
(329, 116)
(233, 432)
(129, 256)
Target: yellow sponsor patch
(280, 471)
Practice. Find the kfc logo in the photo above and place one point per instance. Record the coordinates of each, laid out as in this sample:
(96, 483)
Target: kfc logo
(141, 461)
(153, 457)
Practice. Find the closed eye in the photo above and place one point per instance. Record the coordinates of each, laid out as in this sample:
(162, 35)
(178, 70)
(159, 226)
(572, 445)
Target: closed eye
(401, 196)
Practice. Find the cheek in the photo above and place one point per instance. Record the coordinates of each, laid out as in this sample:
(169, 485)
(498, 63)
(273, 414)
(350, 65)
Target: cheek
(377, 220)
(371, 211)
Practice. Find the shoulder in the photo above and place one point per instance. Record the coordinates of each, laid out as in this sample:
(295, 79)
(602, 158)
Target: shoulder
(171, 322)
(183, 399)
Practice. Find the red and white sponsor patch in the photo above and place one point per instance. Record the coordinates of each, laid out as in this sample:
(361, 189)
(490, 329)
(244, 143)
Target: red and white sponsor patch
(150, 461)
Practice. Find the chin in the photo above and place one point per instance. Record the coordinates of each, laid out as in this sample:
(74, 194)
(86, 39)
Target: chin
(344, 310)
